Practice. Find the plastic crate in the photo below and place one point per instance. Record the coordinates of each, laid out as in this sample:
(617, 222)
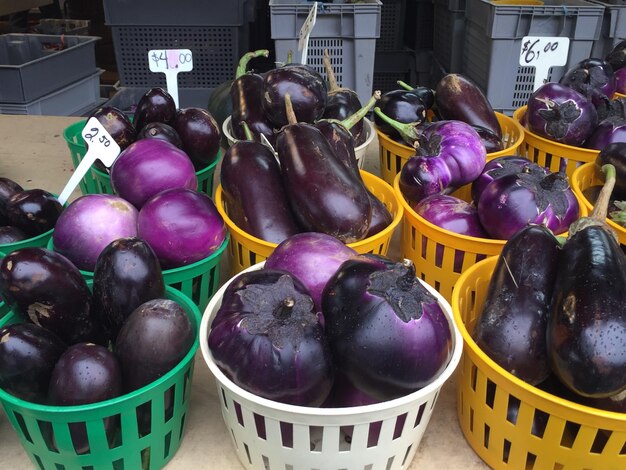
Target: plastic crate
(392, 21)
(29, 71)
(493, 39)
(449, 33)
(63, 26)
(348, 31)
(391, 66)
(72, 100)
(613, 27)
(419, 24)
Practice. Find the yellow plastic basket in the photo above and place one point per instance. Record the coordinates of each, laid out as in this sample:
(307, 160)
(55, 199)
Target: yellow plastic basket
(550, 154)
(394, 155)
(575, 436)
(245, 250)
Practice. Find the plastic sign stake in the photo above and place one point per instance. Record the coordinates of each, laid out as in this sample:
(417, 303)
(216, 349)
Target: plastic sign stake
(305, 32)
(101, 146)
(267, 143)
(171, 62)
(542, 53)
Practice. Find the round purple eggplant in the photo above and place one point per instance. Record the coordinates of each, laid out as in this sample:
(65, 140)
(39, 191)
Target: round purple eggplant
(159, 130)
(45, 287)
(592, 78)
(615, 154)
(11, 234)
(34, 211)
(117, 124)
(126, 275)
(451, 213)
(403, 106)
(561, 114)
(155, 105)
(200, 135)
(8, 188)
(267, 338)
(388, 334)
(28, 354)
(607, 132)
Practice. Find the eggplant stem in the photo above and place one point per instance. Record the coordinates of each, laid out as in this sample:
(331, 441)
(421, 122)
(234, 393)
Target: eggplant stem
(283, 310)
(242, 68)
(405, 85)
(330, 73)
(598, 215)
(291, 114)
(351, 121)
(289, 57)
(247, 131)
(406, 281)
(408, 132)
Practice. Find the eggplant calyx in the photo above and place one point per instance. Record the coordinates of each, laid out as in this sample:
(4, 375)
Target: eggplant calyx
(409, 132)
(558, 117)
(284, 309)
(598, 215)
(549, 190)
(242, 68)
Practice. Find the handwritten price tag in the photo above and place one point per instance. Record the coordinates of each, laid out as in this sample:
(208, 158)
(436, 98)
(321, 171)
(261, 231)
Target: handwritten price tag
(305, 32)
(543, 53)
(171, 62)
(100, 146)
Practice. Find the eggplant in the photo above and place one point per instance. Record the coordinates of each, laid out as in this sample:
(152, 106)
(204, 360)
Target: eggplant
(400, 105)
(426, 94)
(8, 188)
(459, 98)
(615, 154)
(260, 209)
(451, 213)
(511, 328)
(306, 88)
(246, 95)
(592, 77)
(34, 211)
(46, 288)
(117, 124)
(155, 105)
(28, 354)
(617, 56)
(387, 333)
(159, 130)
(587, 325)
(126, 275)
(267, 338)
(200, 135)
(606, 132)
(491, 141)
(11, 234)
(324, 194)
(620, 81)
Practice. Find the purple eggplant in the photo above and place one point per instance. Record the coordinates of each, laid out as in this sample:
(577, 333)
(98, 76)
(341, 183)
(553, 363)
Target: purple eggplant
(11, 234)
(156, 105)
(403, 106)
(34, 211)
(511, 202)
(426, 94)
(8, 188)
(324, 194)
(615, 154)
(511, 328)
(587, 325)
(117, 124)
(451, 213)
(246, 94)
(200, 135)
(260, 209)
(592, 78)
(617, 56)
(159, 130)
(459, 98)
(28, 353)
(561, 114)
(388, 334)
(306, 88)
(607, 132)
(491, 141)
(267, 338)
(620, 81)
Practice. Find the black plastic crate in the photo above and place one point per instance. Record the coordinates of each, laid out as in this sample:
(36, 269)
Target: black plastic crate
(392, 21)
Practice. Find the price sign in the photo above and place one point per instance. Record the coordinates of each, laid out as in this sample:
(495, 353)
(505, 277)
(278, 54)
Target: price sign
(268, 144)
(305, 32)
(171, 62)
(543, 53)
(100, 145)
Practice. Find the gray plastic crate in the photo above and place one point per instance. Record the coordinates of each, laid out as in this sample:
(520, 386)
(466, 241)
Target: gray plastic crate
(449, 33)
(29, 70)
(72, 100)
(63, 26)
(348, 31)
(493, 39)
(126, 98)
(613, 27)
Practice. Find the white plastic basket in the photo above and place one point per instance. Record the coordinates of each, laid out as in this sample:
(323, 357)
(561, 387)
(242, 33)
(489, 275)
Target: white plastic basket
(358, 151)
(268, 435)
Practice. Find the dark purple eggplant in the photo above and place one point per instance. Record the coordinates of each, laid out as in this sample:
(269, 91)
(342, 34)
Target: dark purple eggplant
(587, 325)
(615, 154)
(400, 105)
(325, 195)
(86, 373)
(388, 334)
(200, 135)
(117, 124)
(426, 94)
(607, 132)
(45, 287)
(620, 81)
(491, 141)
(155, 105)
(34, 211)
(126, 275)
(262, 208)
(306, 88)
(28, 354)
(268, 339)
(591, 77)
(611, 108)
(459, 98)
(511, 328)
(159, 130)
(246, 94)
(11, 234)
(561, 114)
(617, 56)
(381, 217)
(8, 188)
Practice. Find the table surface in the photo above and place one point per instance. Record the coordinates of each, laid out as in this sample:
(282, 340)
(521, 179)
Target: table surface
(33, 153)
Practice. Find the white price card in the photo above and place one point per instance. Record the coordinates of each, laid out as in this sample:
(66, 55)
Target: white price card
(305, 32)
(542, 53)
(171, 62)
(100, 146)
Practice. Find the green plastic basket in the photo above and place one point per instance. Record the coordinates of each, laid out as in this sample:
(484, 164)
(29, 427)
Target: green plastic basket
(40, 240)
(4, 308)
(198, 281)
(44, 431)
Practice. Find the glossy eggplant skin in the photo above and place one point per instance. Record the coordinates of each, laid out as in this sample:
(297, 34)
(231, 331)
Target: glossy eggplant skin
(45, 287)
(587, 327)
(325, 195)
(11, 234)
(615, 154)
(403, 106)
(342, 104)
(199, 134)
(246, 94)
(160, 130)
(458, 98)
(126, 275)
(260, 208)
(117, 125)
(156, 105)
(511, 329)
(34, 211)
(8, 188)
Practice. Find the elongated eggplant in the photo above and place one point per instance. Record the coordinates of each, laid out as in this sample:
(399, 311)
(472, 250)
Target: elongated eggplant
(511, 328)
(403, 106)
(260, 208)
(246, 94)
(615, 154)
(587, 326)
(324, 194)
